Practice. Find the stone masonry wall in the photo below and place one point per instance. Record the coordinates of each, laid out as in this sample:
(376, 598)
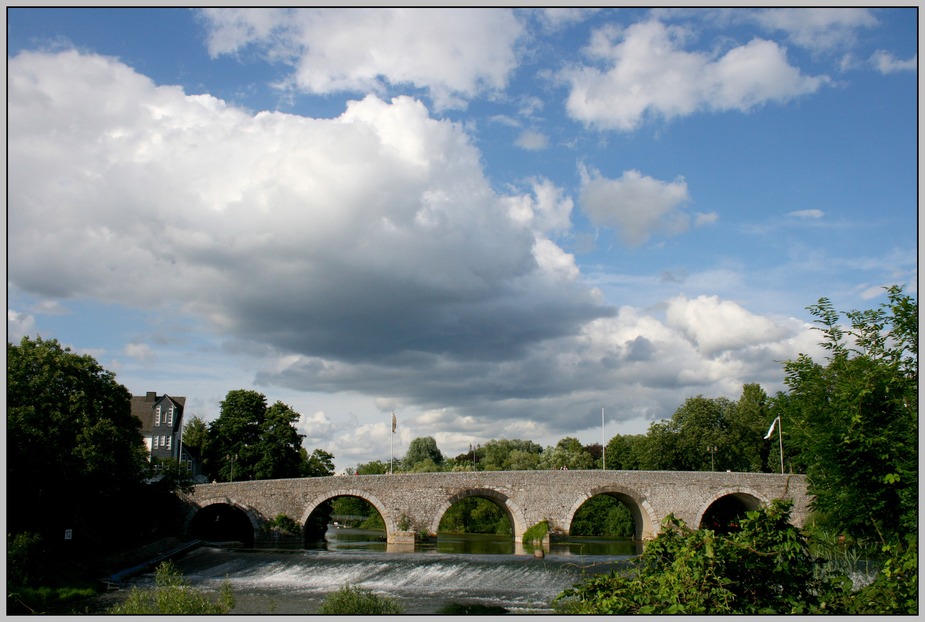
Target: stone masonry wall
(527, 496)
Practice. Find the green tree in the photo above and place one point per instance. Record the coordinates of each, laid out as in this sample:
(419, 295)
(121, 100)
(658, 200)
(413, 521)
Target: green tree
(700, 424)
(748, 422)
(421, 449)
(625, 452)
(249, 440)
(522, 460)
(508, 455)
(235, 435)
(426, 466)
(659, 451)
(319, 464)
(854, 419)
(568, 453)
(279, 444)
(596, 451)
(196, 436)
(375, 467)
(74, 450)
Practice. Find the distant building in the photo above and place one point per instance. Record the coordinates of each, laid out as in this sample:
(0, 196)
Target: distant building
(161, 419)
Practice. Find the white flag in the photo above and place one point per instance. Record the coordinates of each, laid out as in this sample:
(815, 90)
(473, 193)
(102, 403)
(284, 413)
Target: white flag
(771, 429)
(394, 423)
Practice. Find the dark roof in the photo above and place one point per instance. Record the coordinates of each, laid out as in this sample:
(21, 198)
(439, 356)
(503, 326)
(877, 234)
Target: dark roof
(143, 408)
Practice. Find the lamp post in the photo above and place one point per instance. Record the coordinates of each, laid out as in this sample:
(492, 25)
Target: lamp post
(231, 457)
(712, 449)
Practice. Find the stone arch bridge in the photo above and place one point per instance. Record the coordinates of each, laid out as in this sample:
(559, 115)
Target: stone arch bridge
(412, 504)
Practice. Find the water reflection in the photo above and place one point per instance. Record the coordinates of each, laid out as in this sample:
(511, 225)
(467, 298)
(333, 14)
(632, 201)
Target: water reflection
(344, 539)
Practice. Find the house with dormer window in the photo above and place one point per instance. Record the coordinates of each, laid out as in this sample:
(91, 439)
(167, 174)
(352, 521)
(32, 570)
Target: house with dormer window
(161, 419)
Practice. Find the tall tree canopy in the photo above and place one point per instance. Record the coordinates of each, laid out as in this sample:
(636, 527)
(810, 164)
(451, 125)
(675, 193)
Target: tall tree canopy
(249, 440)
(73, 445)
(853, 421)
(420, 450)
(702, 434)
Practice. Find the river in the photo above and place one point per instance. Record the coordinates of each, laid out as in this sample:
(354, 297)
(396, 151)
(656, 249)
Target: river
(460, 569)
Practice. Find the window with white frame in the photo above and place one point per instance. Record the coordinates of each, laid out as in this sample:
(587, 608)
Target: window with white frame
(154, 445)
(168, 442)
(170, 415)
(157, 415)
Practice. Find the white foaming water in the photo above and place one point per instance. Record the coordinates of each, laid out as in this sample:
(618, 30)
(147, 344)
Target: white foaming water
(298, 581)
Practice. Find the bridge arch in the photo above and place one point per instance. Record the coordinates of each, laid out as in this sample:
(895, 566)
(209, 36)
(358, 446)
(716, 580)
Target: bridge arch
(391, 524)
(747, 498)
(212, 506)
(513, 512)
(644, 517)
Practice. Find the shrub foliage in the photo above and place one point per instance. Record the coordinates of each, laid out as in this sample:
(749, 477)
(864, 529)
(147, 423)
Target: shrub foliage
(764, 567)
(352, 600)
(173, 595)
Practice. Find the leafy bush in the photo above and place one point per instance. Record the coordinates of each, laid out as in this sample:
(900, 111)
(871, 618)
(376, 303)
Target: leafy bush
(45, 599)
(24, 550)
(173, 594)
(537, 532)
(763, 568)
(351, 600)
(895, 591)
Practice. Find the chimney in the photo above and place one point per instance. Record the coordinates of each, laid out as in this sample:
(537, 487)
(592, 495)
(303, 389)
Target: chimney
(151, 396)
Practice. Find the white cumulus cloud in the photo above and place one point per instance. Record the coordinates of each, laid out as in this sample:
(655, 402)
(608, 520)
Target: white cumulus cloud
(643, 72)
(716, 325)
(453, 53)
(19, 325)
(887, 63)
(636, 205)
(817, 28)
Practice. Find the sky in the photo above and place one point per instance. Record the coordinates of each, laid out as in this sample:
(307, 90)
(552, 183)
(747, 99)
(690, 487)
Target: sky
(495, 223)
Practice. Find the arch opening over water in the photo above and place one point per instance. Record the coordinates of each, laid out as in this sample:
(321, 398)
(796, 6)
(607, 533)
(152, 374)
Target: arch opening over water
(222, 522)
(604, 514)
(477, 511)
(342, 510)
(726, 511)
(643, 519)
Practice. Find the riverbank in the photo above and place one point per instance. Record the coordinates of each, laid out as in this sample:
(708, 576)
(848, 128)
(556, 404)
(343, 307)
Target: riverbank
(71, 582)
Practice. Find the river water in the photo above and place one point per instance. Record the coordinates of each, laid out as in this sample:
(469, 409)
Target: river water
(460, 569)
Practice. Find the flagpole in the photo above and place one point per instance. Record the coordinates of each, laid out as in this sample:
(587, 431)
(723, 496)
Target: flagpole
(780, 438)
(391, 436)
(603, 443)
